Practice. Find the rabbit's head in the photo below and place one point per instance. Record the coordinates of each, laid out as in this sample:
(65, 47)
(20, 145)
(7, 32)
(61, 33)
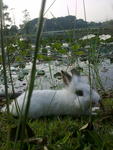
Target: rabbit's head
(77, 85)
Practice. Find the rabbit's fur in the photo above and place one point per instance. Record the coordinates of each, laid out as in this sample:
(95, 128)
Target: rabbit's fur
(75, 99)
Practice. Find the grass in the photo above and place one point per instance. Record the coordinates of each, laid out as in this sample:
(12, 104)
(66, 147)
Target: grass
(65, 132)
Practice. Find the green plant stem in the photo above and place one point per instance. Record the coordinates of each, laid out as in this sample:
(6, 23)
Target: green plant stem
(89, 63)
(10, 74)
(84, 10)
(49, 7)
(23, 119)
(4, 62)
(33, 71)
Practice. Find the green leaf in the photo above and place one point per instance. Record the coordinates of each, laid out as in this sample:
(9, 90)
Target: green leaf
(57, 45)
(75, 47)
(79, 53)
(96, 138)
(18, 59)
(62, 51)
(43, 57)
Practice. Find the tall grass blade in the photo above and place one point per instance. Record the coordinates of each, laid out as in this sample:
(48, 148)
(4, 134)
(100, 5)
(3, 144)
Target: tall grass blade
(75, 20)
(10, 74)
(49, 7)
(89, 62)
(84, 10)
(68, 10)
(33, 71)
(3, 55)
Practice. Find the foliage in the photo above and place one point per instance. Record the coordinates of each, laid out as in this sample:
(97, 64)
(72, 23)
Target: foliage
(65, 132)
(7, 20)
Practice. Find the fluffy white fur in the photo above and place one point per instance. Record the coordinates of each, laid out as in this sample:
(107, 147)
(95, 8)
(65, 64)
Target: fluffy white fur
(59, 102)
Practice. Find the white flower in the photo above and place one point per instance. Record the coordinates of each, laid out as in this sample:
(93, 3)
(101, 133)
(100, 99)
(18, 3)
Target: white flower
(88, 36)
(104, 37)
(65, 45)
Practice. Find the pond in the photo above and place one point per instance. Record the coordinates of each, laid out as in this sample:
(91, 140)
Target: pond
(48, 75)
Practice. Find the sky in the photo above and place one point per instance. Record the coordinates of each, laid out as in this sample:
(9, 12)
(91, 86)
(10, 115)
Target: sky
(96, 10)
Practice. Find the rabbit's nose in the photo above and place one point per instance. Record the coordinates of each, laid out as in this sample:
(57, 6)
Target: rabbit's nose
(96, 103)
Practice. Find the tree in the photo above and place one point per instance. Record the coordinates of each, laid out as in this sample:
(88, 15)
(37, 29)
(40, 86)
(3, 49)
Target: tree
(7, 20)
(25, 25)
(13, 30)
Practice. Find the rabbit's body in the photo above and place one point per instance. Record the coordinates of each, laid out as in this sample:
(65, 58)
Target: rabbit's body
(51, 102)
(75, 100)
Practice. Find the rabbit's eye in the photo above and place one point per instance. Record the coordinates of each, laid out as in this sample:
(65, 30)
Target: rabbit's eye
(79, 93)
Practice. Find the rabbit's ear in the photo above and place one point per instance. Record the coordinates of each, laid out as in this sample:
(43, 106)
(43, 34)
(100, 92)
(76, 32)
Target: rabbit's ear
(66, 77)
(75, 72)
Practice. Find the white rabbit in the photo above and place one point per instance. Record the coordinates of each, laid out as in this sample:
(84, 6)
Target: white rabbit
(75, 99)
